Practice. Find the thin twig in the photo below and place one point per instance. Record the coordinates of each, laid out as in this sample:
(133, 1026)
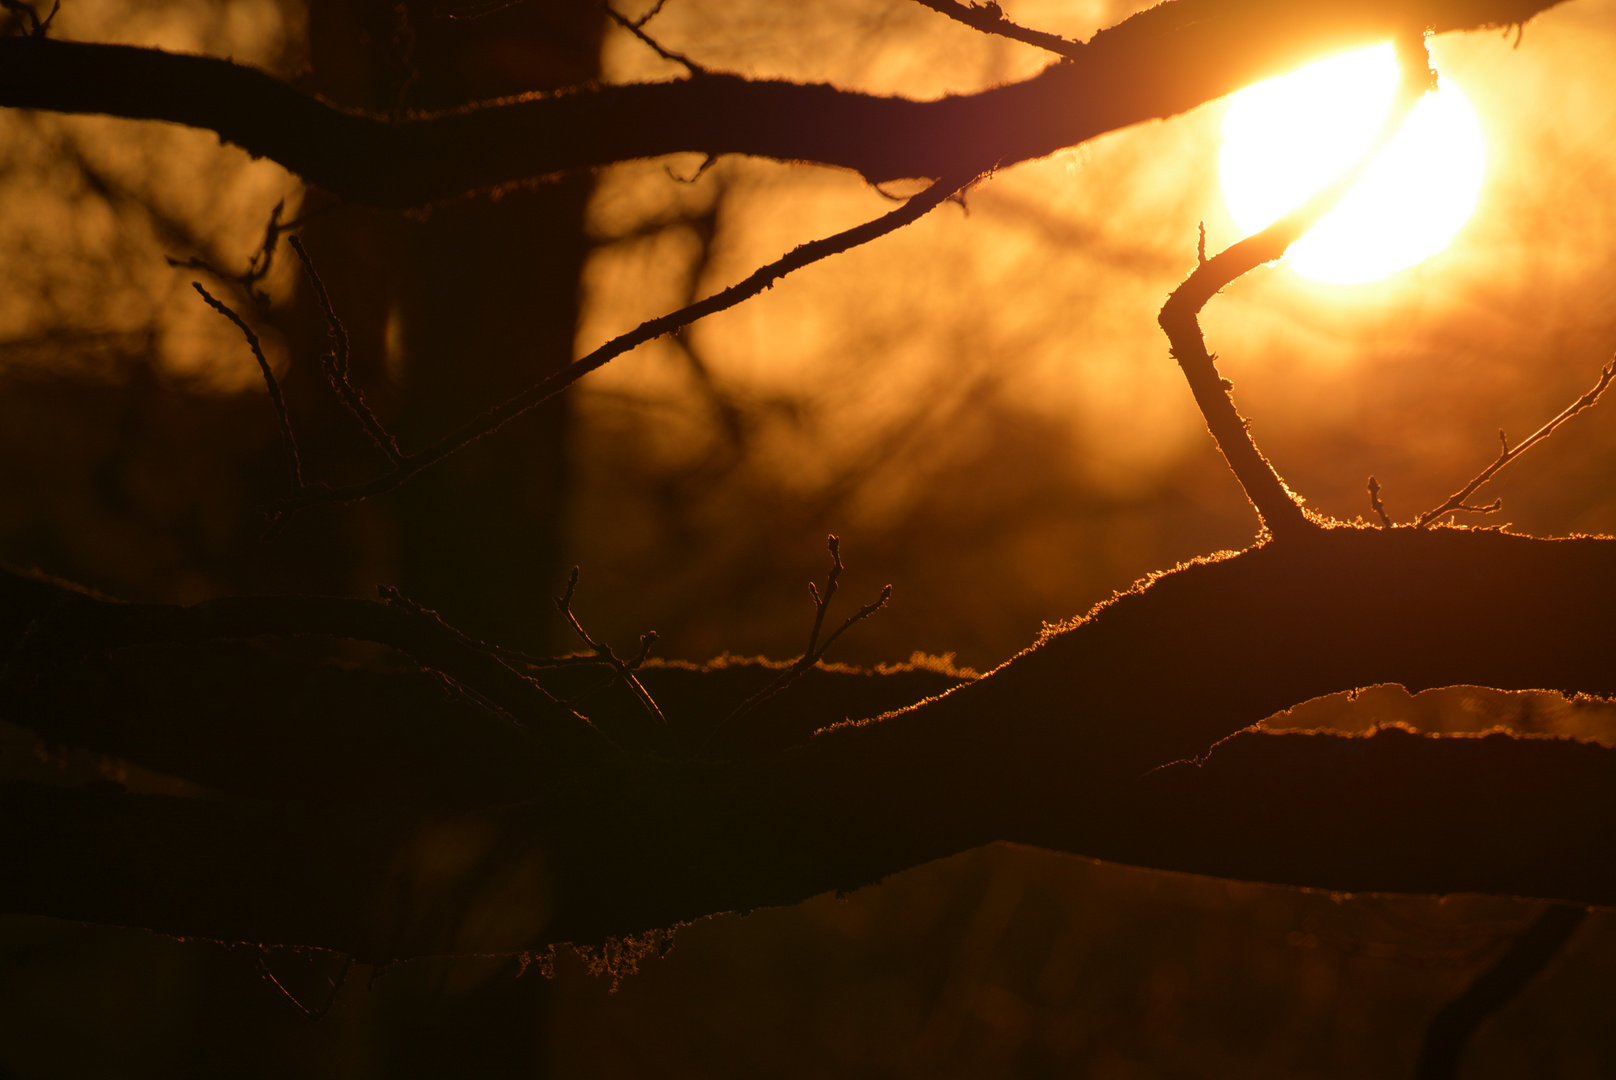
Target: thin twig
(763, 278)
(989, 18)
(636, 27)
(1275, 503)
(816, 650)
(294, 468)
(311, 1014)
(258, 266)
(335, 364)
(1376, 505)
(625, 670)
(656, 9)
(1456, 502)
(1450, 1030)
(391, 595)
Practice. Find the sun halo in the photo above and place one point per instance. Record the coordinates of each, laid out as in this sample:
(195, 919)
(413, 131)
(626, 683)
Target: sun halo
(1285, 138)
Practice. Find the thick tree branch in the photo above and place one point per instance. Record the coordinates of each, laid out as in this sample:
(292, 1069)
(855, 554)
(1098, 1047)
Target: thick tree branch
(1157, 64)
(1277, 506)
(1388, 813)
(56, 625)
(1063, 747)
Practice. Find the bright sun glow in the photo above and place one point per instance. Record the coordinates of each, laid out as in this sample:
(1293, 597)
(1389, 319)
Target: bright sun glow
(1285, 138)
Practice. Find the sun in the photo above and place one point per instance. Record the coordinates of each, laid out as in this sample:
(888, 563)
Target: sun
(1285, 138)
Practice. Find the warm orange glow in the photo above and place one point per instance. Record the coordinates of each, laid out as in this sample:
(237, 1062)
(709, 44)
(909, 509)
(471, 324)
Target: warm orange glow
(1287, 137)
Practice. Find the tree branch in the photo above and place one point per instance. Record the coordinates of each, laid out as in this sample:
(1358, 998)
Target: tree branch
(989, 18)
(1276, 504)
(496, 417)
(1456, 502)
(1156, 64)
(1527, 955)
(1062, 747)
(1387, 813)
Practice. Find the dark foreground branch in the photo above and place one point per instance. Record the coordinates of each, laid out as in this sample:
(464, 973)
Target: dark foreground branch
(1157, 64)
(1389, 813)
(1064, 747)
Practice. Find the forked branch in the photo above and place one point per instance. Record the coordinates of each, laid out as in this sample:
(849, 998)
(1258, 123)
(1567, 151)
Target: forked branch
(335, 364)
(1456, 503)
(603, 652)
(1276, 504)
(815, 651)
(294, 468)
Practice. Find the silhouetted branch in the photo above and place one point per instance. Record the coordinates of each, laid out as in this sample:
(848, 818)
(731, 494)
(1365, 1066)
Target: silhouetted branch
(625, 671)
(1451, 1029)
(1496, 815)
(763, 278)
(1456, 502)
(294, 468)
(1376, 505)
(258, 265)
(815, 651)
(28, 16)
(990, 18)
(335, 365)
(68, 625)
(1276, 504)
(1158, 63)
(637, 28)
(1061, 747)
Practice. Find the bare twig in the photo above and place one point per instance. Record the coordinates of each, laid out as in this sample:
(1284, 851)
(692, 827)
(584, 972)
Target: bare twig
(624, 670)
(335, 364)
(989, 18)
(1456, 502)
(308, 1013)
(816, 651)
(97, 626)
(1376, 505)
(294, 468)
(258, 266)
(1527, 955)
(763, 278)
(25, 13)
(1275, 503)
(637, 28)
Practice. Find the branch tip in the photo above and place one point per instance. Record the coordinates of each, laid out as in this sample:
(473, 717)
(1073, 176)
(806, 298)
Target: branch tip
(294, 467)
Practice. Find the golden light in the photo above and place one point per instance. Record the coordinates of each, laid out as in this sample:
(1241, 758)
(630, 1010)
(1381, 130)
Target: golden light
(1285, 138)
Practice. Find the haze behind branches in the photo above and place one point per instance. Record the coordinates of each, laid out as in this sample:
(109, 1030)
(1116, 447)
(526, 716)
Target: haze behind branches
(981, 406)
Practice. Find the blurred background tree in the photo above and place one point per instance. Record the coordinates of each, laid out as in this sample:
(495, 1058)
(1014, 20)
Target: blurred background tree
(980, 405)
